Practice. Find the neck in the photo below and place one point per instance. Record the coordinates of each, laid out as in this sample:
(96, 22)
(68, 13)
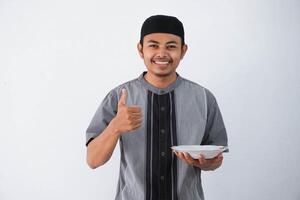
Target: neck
(160, 81)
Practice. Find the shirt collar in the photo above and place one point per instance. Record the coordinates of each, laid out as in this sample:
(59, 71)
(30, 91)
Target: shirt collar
(157, 90)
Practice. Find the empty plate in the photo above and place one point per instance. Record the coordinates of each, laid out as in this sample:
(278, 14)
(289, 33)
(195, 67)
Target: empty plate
(208, 151)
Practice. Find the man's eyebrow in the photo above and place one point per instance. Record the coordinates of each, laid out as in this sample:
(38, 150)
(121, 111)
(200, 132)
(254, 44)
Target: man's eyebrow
(152, 41)
(171, 42)
(156, 42)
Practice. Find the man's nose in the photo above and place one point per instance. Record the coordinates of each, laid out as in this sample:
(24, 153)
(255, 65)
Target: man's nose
(162, 52)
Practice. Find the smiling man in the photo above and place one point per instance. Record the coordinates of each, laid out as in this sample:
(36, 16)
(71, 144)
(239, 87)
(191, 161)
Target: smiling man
(152, 113)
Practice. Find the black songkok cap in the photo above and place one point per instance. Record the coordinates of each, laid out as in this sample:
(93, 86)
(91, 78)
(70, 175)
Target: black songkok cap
(162, 24)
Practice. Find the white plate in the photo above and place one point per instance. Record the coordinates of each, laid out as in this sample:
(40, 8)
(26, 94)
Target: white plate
(208, 151)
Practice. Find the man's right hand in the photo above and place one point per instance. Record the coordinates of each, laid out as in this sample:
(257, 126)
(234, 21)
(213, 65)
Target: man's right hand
(128, 118)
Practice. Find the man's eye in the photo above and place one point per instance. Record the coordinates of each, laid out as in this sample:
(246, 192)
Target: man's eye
(153, 45)
(172, 46)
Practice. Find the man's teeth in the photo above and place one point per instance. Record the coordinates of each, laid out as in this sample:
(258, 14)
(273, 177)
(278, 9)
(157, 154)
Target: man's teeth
(162, 63)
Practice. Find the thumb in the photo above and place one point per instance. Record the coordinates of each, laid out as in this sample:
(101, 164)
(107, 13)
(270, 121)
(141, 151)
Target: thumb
(122, 101)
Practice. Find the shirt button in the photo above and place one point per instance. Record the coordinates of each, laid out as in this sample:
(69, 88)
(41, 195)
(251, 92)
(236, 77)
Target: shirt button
(162, 130)
(162, 91)
(162, 108)
(162, 178)
(163, 153)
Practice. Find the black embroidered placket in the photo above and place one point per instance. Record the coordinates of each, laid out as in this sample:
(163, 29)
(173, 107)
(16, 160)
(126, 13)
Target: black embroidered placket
(161, 165)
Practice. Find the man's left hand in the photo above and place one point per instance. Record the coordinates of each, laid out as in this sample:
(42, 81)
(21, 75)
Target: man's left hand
(201, 162)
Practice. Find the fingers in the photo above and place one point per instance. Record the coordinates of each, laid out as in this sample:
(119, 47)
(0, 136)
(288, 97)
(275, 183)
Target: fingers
(135, 117)
(189, 159)
(134, 109)
(212, 161)
(185, 157)
(179, 155)
(137, 125)
(212, 164)
(216, 159)
(128, 118)
(122, 101)
(201, 162)
(136, 121)
(134, 125)
(219, 158)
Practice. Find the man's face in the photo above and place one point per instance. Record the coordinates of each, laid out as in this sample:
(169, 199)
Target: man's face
(162, 53)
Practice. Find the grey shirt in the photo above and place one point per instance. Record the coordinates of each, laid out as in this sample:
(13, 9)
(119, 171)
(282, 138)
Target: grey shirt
(184, 113)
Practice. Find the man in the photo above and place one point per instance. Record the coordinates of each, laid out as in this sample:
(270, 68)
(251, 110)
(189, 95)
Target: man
(152, 113)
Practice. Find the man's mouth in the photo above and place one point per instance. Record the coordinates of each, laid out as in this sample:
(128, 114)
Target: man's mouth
(161, 62)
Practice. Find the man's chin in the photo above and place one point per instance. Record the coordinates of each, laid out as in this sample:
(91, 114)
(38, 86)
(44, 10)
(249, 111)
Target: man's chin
(163, 74)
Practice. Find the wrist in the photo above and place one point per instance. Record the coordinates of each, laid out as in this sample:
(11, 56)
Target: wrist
(114, 128)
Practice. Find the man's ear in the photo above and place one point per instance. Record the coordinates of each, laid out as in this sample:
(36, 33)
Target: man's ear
(140, 50)
(183, 50)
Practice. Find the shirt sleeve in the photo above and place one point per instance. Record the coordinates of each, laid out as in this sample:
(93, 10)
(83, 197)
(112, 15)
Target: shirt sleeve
(104, 114)
(215, 131)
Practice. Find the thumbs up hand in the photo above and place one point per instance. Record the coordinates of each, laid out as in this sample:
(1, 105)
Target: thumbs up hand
(128, 118)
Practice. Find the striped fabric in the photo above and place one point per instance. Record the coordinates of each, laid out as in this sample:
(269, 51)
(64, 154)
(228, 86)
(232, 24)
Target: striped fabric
(182, 113)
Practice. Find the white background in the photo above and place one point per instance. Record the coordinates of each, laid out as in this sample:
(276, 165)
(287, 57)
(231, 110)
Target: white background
(59, 58)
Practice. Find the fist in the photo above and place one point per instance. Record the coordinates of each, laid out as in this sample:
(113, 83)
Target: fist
(128, 118)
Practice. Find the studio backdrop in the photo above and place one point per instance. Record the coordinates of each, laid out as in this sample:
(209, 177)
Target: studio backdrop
(59, 59)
